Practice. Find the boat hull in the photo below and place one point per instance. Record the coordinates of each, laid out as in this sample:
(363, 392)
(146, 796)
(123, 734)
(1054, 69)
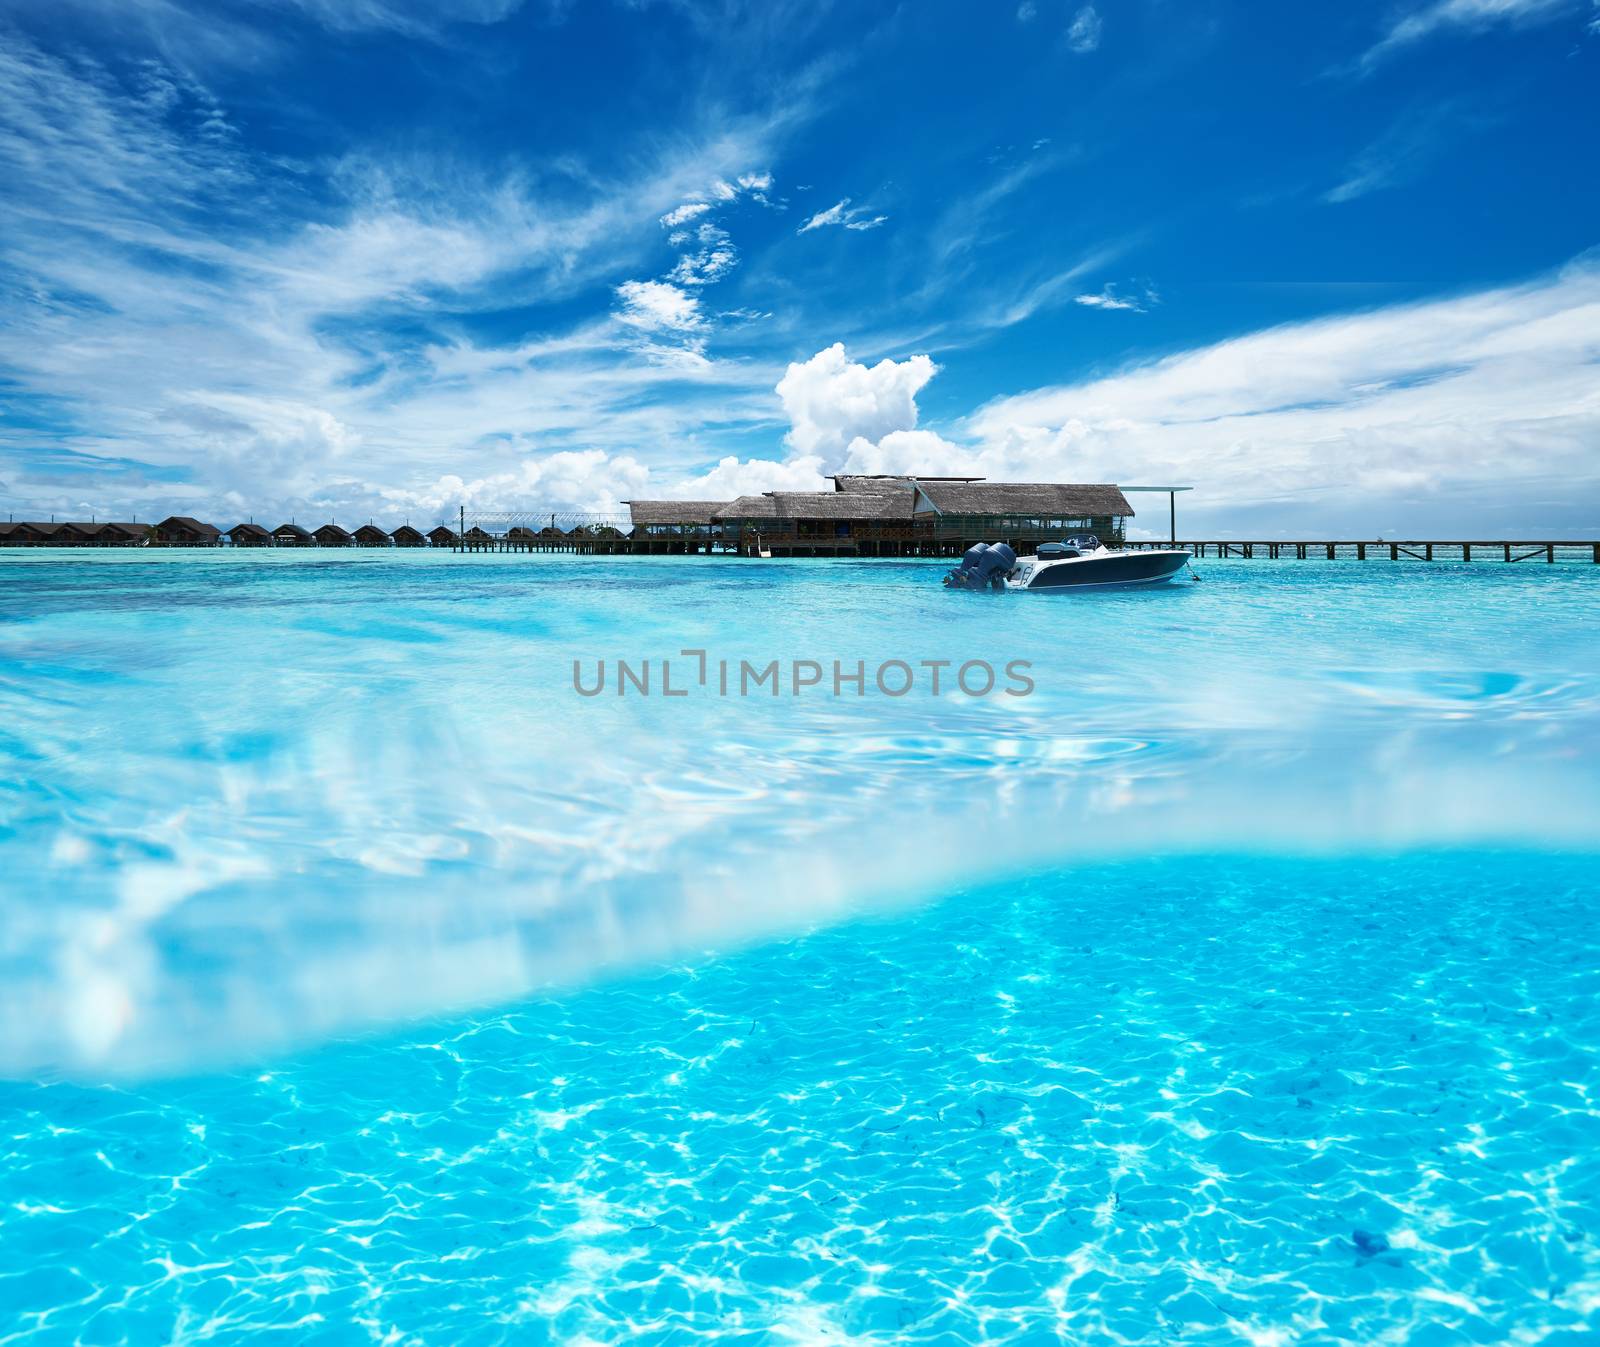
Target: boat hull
(1116, 570)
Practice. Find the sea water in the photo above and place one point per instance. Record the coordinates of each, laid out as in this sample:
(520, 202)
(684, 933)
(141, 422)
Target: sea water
(365, 980)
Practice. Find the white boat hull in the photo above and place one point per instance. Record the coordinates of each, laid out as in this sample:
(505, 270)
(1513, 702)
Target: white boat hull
(1100, 569)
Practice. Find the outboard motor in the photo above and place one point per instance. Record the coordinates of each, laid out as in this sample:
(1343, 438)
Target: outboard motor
(984, 566)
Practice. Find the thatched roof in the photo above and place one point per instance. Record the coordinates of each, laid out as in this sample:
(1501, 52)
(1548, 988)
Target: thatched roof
(1075, 500)
(182, 523)
(330, 533)
(247, 531)
(292, 531)
(673, 511)
(885, 504)
(887, 481)
(406, 534)
(442, 533)
(371, 533)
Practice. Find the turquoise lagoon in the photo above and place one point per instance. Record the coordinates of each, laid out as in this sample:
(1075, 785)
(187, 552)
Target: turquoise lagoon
(365, 982)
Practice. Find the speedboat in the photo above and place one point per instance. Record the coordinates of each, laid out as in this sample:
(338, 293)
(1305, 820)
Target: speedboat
(1079, 562)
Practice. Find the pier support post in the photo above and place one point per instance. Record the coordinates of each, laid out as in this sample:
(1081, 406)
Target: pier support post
(1550, 552)
(1394, 552)
(1361, 551)
(1466, 551)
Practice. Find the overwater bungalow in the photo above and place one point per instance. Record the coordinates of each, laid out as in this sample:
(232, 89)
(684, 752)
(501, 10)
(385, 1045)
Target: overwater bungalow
(550, 533)
(331, 535)
(370, 535)
(521, 534)
(441, 536)
(292, 535)
(32, 533)
(249, 535)
(107, 533)
(181, 530)
(123, 533)
(406, 536)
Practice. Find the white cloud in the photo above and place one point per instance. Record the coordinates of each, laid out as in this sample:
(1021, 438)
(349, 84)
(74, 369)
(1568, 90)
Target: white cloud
(1494, 395)
(842, 213)
(203, 350)
(750, 477)
(832, 400)
(657, 306)
(833, 215)
(756, 182)
(1108, 298)
(909, 451)
(588, 480)
(710, 262)
(683, 214)
(1083, 33)
(1468, 15)
(1027, 11)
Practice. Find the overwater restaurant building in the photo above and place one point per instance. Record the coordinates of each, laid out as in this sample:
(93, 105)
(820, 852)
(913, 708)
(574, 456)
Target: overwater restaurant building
(888, 516)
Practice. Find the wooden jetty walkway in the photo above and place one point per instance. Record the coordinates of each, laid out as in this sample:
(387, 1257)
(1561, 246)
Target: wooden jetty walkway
(618, 544)
(1497, 550)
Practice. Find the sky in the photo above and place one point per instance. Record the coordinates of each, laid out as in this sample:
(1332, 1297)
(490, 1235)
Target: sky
(1335, 266)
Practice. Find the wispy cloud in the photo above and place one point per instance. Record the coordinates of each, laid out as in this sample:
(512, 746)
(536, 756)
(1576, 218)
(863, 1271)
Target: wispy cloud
(1397, 154)
(187, 335)
(1461, 15)
(683, 214)
(1108, 298)
(1489, 392)
(844, 214)
(1083, 33)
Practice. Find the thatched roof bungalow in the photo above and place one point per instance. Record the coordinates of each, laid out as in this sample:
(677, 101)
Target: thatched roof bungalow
(979, 509)
(406, 536)
(440, 536)
(249, 535)
(181, 530)
(370, 535)
(331, 535)
(821, 516)
(291, 535)
(674, 518)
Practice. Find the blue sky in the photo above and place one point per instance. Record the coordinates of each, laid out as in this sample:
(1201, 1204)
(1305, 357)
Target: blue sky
(374, 258)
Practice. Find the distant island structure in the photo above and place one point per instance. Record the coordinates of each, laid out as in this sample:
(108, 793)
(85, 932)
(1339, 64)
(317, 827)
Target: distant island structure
(865, 515)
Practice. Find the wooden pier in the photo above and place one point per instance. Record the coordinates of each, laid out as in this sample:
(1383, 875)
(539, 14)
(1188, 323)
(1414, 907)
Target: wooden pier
(922, 546)
(1383, 549)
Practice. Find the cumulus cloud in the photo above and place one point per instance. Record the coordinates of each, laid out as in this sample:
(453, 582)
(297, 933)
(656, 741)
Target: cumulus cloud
(1083, 33)
(750, 477)
(586, 480)
(832, 400)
